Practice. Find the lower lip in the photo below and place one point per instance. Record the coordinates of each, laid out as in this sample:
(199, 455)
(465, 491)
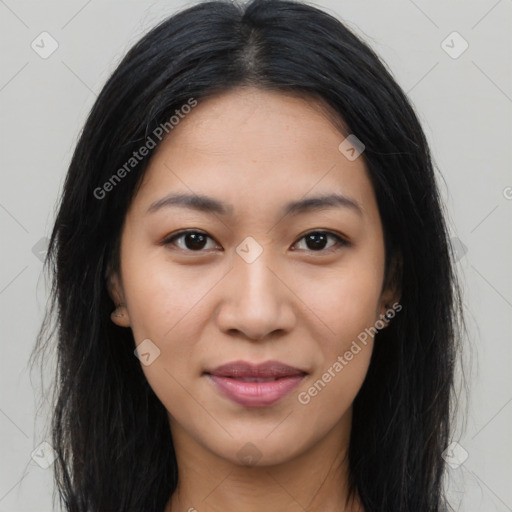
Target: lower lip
(255, 394)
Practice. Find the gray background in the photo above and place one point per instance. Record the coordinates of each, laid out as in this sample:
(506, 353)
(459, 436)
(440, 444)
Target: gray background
(464, 104)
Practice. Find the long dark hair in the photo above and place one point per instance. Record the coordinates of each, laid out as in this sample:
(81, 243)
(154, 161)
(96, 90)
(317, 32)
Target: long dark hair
(110, 432)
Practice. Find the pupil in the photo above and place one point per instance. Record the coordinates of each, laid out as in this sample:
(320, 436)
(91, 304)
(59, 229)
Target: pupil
(318, 241)
(195, 240)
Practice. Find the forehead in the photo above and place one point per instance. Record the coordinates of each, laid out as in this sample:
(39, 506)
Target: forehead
(251, 122)
(248, 144)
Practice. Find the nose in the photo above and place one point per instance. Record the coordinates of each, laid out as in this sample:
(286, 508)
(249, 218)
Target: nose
(255, 301)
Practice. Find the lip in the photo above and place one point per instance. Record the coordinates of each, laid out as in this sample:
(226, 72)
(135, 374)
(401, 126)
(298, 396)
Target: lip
(276, 380)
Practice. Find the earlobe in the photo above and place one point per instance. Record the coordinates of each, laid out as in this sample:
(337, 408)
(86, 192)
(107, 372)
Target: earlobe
(388, 315)
(390, 298)
(120, 316)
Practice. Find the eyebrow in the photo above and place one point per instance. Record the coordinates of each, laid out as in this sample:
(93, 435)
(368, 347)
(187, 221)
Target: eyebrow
(211, 205)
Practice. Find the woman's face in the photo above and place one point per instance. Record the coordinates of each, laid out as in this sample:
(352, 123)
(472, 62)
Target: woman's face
(256, 280)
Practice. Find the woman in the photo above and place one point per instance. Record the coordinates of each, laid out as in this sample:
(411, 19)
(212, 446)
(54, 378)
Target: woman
(253, 290)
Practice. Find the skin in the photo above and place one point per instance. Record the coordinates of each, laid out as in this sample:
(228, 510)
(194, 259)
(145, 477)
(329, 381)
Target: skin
(256, 150)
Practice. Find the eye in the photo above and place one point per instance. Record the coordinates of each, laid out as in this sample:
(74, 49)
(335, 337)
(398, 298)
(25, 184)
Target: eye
(317, 241)
(190, 240)
(197, 241)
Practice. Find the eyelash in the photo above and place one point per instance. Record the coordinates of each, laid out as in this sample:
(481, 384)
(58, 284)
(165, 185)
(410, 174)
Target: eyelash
(340, 241)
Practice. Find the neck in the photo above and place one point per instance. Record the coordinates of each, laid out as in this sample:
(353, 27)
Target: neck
(314, 481)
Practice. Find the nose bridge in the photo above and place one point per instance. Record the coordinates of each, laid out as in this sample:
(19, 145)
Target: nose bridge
(255, 302)
(256, 283)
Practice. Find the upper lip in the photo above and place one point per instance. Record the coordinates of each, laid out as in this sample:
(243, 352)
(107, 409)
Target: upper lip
(268, 369)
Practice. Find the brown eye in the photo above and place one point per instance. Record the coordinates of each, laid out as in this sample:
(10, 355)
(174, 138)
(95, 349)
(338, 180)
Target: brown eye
(318, 241)
(190, 241)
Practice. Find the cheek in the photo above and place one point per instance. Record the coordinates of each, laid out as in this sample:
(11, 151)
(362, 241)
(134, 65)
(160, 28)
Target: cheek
(345, 300)
(327, 395)
(171, 310)
(162, 295)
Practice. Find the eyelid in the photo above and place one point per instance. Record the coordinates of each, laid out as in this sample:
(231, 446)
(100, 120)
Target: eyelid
(169, 239)
(340, 239)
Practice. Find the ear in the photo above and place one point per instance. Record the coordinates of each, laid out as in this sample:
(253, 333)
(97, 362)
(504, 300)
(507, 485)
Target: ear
(120, 315)
(392, 289)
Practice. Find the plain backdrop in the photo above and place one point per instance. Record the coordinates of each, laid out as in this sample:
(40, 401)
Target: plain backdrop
(460, 84)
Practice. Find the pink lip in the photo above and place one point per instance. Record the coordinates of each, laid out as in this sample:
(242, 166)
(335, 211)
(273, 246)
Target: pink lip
(279, 380)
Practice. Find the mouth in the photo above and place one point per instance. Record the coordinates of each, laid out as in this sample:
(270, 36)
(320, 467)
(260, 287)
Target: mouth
(253, 385)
